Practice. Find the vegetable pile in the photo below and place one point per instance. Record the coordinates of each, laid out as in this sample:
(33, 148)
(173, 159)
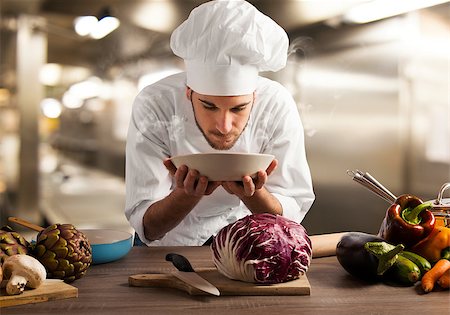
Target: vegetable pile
(60, 250)
(409, 247)
(262, 248)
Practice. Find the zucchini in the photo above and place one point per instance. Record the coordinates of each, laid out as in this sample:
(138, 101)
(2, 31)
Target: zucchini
(404, 271)
(423, 264)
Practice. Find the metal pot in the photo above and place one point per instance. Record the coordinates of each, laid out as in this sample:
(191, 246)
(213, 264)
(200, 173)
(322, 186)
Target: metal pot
(441, 206)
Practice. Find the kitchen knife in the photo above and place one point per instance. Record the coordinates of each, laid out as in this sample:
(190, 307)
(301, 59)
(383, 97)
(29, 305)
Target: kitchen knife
(187, 274)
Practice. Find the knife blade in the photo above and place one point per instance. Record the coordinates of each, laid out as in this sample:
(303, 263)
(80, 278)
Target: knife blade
(187, 274)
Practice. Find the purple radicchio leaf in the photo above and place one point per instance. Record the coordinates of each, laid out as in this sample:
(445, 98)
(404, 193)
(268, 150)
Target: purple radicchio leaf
(262, 248)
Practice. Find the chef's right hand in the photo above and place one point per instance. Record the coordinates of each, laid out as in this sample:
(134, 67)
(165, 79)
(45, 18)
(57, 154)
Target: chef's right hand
(190, 180)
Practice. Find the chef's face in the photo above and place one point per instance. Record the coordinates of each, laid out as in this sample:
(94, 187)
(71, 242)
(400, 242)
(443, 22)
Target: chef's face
(221, 119)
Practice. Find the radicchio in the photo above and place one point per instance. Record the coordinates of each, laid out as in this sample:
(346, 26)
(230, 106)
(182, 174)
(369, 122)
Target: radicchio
(262, 248)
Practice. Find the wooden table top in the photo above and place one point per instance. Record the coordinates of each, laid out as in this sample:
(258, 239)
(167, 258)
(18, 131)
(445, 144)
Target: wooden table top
(105, 290)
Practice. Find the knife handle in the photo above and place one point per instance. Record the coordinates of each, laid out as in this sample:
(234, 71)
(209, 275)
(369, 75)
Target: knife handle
(180, 262)
(162, 281)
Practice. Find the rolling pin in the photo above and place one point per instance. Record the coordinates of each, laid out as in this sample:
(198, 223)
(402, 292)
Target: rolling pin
(325, 244)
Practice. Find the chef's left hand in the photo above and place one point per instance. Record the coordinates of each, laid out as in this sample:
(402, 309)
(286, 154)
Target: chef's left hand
(248, 186)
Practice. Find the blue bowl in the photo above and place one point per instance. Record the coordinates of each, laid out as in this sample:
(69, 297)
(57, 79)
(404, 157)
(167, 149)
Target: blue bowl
(108, 245)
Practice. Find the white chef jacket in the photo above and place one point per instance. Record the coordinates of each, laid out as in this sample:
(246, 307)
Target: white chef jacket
(163, 125)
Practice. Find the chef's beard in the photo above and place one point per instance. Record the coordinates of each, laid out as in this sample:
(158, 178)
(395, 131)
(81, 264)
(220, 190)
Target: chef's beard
(222, 145)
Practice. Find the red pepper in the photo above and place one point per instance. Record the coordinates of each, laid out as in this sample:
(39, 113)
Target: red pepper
(407, 221)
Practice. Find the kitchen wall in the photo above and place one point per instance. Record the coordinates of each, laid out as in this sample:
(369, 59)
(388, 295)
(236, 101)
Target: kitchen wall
(373, 98)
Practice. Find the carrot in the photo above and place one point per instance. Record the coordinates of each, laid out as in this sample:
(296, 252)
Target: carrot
(444, 280)
(430, 278)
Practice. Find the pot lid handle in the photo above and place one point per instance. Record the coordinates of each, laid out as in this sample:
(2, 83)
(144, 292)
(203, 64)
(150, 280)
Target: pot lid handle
(441, 193)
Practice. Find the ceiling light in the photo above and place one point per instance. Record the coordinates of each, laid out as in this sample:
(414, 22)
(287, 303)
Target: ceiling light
(85, 24)
(71, 100)
(104, 26)
(51, 108)
(160, 16)
(87, 89)
(96, 27)
(50, 74)
(381, 9)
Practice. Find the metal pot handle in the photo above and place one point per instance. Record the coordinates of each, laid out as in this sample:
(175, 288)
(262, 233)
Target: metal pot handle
(441, 193)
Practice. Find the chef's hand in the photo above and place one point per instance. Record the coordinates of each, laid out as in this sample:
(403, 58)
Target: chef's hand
(250, 185)
(190, 180)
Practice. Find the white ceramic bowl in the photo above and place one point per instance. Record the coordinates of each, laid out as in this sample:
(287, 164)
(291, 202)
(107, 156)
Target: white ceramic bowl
(108, 245)
(228, 166)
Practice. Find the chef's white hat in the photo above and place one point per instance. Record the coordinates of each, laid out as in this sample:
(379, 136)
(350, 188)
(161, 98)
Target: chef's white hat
(225, 44)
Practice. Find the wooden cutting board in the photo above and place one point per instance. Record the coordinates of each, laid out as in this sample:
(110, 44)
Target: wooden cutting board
(49, 290)
(225, 285)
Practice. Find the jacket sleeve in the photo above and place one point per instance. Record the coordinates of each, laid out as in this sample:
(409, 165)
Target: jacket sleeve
(147, 180)
(291, 182)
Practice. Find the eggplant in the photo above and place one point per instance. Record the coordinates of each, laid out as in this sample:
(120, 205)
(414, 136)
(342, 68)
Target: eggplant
(366, 256)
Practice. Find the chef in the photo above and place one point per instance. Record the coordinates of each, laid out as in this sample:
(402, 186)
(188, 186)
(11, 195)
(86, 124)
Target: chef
(219, 104)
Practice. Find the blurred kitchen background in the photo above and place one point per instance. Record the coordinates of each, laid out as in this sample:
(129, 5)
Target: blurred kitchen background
(371, 80)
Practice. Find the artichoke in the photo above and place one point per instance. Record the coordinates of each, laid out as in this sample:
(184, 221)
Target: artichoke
(11, 243)
(64, 251)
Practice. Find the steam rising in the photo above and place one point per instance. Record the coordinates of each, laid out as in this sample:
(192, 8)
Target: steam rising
(298, 52)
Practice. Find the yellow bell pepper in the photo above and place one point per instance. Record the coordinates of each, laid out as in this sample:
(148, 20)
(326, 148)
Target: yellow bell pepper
(435, 246)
